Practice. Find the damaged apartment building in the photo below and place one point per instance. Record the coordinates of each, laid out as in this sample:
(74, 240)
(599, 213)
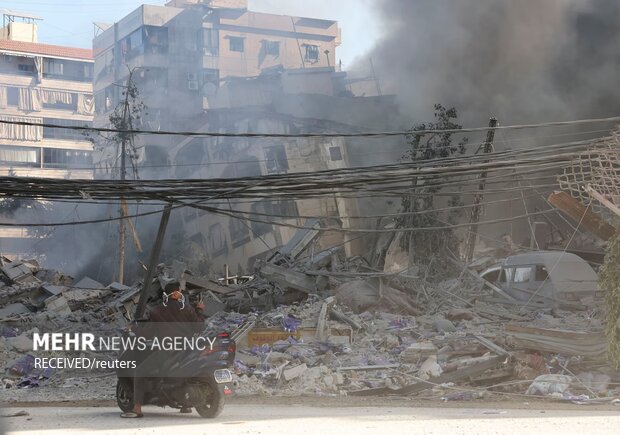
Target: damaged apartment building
(216, 66)
(41, 84)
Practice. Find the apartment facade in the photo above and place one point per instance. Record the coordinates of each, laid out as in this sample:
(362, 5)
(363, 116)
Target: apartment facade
(42, 84)
(182, 52)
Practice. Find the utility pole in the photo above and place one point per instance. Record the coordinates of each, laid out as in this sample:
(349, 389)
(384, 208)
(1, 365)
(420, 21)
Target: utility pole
(122, 233)
(477, 209)
(150, 271)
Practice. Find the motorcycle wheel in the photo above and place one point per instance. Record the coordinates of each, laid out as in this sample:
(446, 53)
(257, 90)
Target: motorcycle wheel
(215, 405)
(124, 394)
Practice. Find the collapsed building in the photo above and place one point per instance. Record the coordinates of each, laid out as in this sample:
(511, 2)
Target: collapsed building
(287, 102)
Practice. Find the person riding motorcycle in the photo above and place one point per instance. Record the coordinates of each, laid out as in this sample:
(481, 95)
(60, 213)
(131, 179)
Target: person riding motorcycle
(174, 317)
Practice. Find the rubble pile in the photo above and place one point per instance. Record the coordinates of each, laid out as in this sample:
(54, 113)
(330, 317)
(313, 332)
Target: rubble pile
(330, 326)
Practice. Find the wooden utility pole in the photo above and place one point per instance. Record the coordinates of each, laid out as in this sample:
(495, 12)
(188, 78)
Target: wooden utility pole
(150, 271)
(477, 209)
(122, 233)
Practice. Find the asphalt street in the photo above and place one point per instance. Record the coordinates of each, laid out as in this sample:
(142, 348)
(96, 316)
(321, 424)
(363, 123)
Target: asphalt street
(293, 419)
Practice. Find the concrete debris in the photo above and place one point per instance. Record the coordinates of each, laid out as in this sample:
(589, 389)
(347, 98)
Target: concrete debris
(308, 324)
(294, 372)
(21, 343)
(443, 325)
(546, 385)
(88, 283)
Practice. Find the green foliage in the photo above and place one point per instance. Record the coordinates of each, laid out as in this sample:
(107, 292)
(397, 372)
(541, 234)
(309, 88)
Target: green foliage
(609, 281)
(431, 249)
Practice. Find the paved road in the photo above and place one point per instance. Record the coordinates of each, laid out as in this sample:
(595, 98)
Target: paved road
(270, 419)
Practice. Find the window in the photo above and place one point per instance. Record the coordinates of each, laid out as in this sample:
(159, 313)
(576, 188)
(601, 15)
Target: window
(276, 160)
(506, 275)
(216, 242)
(239, 232)
(260, 228)
(272, 48)
(64, 133)
(62, 158)
(67, 70)
(284, 208)
(12, 96)
(312, 53)
(155, 40)
(20, 156)
(335, 153)
(491, 276)
(26, 69)
(53, 67)
(57, 104)
(210, 42)
(237, 44)
(541, 274)
(522, 274)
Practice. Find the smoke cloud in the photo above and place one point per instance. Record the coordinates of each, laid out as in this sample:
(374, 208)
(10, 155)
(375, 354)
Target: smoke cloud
(519, 60)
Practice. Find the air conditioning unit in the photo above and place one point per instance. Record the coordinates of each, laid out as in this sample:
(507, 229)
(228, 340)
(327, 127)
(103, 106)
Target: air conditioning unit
(192, 77)
(192, 85)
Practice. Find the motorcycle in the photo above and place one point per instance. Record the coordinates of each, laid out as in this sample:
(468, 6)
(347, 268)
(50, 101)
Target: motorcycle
(200, 379)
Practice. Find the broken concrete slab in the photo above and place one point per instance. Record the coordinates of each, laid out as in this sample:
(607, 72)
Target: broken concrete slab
(417, 351)
(288, 279)
(13, 310)
(294, 372)
(212, 306)
(18, 272)
(593, 344)
(53, 290)
(58, 305)
(88, 283)
(21, 343)
(443, 325)
(299, 242)
(118, 287)
(204, 283)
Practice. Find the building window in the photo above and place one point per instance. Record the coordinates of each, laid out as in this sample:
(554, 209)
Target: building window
(53, 67)
(210, 42)
(312, 53)
(59, 104)
(155, 40)
(12, 96)
(216, 242)
(261, 228)
(237, 44)
(276, 160)
(64, 133)
(67, 70)
(272, 48)
(25, 69)
(335, 153)
(20, 156)
(239, 232)
(64, 159)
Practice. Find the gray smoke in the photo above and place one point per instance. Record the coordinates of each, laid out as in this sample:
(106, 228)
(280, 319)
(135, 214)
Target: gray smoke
(519, 60)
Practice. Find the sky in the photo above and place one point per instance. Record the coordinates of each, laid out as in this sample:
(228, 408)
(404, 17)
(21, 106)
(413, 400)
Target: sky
(69, 22)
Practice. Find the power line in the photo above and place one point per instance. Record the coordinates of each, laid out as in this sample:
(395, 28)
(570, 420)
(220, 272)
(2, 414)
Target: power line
(310, 135)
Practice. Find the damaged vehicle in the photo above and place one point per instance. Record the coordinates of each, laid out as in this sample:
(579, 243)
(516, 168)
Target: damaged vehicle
(547, 279)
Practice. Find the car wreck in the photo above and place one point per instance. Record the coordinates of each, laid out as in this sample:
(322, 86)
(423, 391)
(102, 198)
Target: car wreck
(546, 278)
